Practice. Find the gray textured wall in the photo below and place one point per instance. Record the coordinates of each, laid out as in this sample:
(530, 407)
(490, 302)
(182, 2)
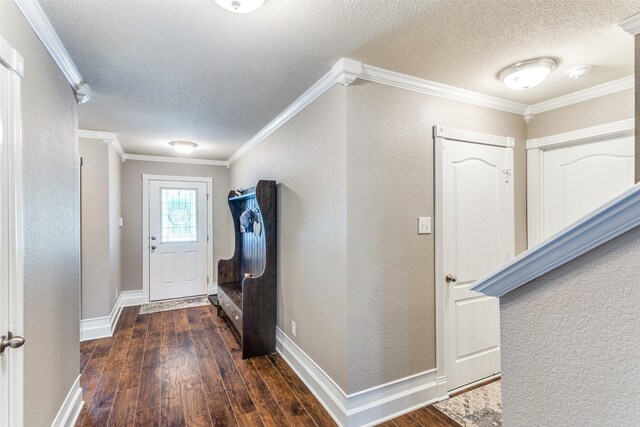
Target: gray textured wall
(637, 106)
(96, 271)
(131, 197)
(307, 157)
(605, 109)
(391, 312)
(570, 347)
(51, 224)
(115, 238)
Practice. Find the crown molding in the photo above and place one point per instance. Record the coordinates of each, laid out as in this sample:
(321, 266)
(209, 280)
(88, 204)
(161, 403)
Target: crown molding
(106, 137)
(111, 138)
(10, 58)
(346, 70)
(417, 84)
(631, 25)
(343, 72)
(620, 129)
(584, 95)
(602, 225)
(36, 17)
(167, 159)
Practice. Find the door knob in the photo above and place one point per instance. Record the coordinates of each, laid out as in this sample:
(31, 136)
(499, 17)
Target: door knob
(10, 341)
(451, 278)
(153, 247)
(153, 237)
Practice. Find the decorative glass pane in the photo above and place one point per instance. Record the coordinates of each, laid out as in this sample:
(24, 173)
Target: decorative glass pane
(179, 215)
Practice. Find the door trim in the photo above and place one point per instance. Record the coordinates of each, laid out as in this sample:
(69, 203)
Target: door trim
(535, 152)
(145, 225)
(440, 134)
(12, 60)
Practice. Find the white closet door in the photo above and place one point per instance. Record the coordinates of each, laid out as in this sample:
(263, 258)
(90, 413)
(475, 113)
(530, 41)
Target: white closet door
(577, 179)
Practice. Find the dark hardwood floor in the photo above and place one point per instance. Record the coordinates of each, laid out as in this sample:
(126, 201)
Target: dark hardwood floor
(184, 368)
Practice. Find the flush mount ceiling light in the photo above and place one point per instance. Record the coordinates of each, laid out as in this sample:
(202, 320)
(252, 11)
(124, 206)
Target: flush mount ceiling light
(578, 71)
(183, 147)
(240, 6)
(527, 74)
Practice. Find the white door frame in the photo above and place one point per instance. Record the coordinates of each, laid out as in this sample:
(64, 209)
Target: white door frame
(145, 226)
(12, 131)
(535, 153)
(441, 134)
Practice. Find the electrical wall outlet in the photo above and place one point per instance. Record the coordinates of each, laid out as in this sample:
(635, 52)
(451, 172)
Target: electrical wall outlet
(293, 328)
(424, 225)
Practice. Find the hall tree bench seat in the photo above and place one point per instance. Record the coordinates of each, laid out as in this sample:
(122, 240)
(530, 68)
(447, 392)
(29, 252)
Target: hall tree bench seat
(247, 281)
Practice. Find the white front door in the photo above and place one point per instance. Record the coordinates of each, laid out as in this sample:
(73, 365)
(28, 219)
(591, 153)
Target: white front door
(11, 253)
(477, 227)
(178, 239)
(577, 178)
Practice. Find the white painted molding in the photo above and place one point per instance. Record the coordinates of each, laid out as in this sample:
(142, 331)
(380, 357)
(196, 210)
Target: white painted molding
(71, 407)
(167, 159)
(325, 83)
(584, 95)
(213, 288)
(618, 129)
(36, 17)
(366, 408)
(106, 137)
(631, 25)
(102, 327)
(416, 84)
(112, 139)
(600, 226)
(442, 134)
(475, 137)
(10, 58)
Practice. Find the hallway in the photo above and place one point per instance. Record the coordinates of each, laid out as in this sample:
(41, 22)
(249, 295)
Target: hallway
(157, 370)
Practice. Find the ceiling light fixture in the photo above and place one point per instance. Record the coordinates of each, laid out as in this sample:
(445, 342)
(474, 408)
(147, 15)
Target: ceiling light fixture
(183, 147)
(240, 6)
(527, 74)
(578, 71)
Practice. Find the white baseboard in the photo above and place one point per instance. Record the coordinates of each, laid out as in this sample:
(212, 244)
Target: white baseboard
(365, 408)
(213, 288)
(102, 327)
(71, 407)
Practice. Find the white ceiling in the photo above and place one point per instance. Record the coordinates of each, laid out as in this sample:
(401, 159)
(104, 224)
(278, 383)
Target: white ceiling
(165, 70)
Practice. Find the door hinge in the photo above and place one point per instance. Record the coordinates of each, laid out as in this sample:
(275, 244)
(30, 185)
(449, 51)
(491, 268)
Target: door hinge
(207, 238)
(507, 174)
(207, 197)
(207, 280)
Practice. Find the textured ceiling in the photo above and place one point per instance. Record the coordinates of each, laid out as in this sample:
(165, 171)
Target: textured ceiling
(165, 70)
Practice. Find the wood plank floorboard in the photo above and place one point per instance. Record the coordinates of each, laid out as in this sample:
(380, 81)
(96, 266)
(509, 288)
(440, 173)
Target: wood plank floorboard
(185, 368)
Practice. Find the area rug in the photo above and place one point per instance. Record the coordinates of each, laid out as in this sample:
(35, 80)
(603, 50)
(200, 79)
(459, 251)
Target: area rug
(174, 304)
(480, 407)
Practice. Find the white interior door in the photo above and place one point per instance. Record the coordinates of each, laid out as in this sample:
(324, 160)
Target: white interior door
(11, 253)
(178, 239)
(575, 179)
(477, 229)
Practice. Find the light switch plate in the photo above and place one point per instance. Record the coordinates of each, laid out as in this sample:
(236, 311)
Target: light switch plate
(293, 328)
(424, 225)
(121, 222)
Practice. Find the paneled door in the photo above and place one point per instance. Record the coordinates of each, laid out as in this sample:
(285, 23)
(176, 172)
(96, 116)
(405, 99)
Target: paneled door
(177, 239)
(476, 229)
(11, 240)
(574, 173)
